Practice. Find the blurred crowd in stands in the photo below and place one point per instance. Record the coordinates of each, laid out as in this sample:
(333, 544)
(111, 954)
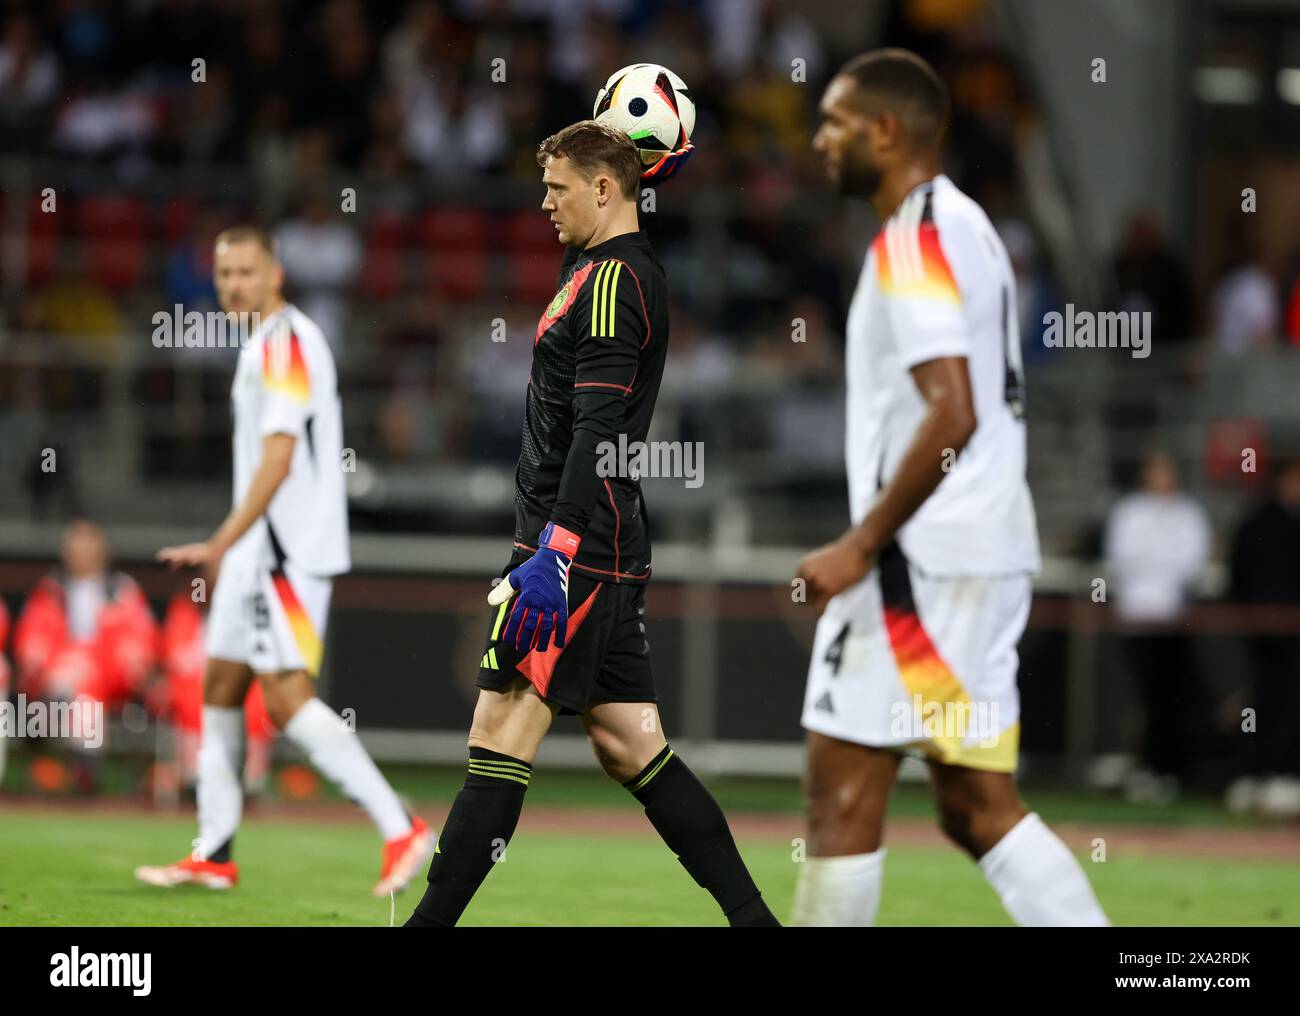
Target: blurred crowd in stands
(167, 120)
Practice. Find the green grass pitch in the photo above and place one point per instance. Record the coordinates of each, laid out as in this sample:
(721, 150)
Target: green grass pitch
(61, 868)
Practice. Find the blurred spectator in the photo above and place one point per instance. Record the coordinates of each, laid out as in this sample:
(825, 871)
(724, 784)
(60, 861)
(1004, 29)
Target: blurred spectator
(767, 121)
(987, 107)
(205, 128)
(491, 375)
(1036, 293)
(29, 78)
(85, 634)
(89, 37)
(584, 35)
(806, 416)
(1157, 541)
(265, 69)
(179, 697)
(1266, 574)
(321, 257)
(187, 276)
(454, 127)
(103, 123)
(745, 29)
(1151, 278)
(696, 379)
(336, 96)
(1244, 302)
(81, 311)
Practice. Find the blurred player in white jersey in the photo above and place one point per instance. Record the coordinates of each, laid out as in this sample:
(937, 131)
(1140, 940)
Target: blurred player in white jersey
(277, 552)
(925, 597)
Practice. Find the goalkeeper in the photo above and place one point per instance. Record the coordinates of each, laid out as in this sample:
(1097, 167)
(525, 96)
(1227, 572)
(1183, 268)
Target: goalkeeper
(567, 632)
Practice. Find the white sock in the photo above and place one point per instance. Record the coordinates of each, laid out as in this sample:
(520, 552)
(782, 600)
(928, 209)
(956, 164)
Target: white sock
(336, 751)
(838, 892)
(221, 801)
(1039, 881)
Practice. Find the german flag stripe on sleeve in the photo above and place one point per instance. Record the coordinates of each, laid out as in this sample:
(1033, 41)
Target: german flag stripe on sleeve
(284, 369)
(604, 299)
(910, 260)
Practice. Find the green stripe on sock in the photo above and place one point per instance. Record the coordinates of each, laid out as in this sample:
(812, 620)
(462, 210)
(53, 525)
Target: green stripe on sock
(516, 767)
(498, 776)
(641, 784)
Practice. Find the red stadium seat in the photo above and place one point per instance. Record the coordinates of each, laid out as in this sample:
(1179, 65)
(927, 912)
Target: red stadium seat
(455, 229)
(531, 232)
(42, 242)
(535, 256)
(533, 277)
(112, 231)
(381, 277)
(175, 220)
(458, 276)
(457, 242)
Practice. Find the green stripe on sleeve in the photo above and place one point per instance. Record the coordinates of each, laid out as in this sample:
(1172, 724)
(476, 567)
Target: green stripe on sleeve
(611, 303)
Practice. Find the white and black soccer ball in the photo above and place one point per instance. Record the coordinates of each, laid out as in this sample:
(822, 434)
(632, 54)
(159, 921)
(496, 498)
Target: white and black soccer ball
(651, 105)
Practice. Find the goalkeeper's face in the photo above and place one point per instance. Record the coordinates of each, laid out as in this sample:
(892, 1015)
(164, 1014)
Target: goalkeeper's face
(573, 203)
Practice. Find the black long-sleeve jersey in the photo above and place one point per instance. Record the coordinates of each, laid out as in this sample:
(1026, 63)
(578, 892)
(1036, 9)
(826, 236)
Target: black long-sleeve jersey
(598, 359)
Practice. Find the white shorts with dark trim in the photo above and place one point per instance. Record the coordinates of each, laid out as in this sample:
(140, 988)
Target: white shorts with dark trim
(923, 665)
(270, 618)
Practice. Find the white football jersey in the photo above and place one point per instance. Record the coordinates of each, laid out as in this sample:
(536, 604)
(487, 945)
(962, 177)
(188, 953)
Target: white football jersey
(937, 282)
(285, 383)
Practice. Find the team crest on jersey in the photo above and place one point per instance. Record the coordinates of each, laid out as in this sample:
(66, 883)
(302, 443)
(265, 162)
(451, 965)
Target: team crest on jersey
(559, 306)
(558, 302)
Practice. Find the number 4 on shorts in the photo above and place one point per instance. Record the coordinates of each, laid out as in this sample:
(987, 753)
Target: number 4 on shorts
(835, 652)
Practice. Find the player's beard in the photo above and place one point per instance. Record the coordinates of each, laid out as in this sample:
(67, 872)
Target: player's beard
(859, 178)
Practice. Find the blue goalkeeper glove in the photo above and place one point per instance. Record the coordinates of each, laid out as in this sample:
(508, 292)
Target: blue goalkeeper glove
(543, 585)
(669, 166)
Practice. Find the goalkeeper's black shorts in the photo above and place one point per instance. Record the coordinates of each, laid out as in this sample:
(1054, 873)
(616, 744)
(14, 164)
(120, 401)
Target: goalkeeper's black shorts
(606, 657)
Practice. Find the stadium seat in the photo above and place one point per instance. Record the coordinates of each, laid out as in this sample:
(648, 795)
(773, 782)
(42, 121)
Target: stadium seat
(42, 243)
(175, 220)
(458, 259)
(112, 230)
(535, 257)
(381, 277)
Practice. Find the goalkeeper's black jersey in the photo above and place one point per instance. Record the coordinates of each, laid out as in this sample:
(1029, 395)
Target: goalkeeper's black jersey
(598, 359)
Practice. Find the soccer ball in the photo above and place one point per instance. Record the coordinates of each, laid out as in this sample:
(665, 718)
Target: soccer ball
(651, 105)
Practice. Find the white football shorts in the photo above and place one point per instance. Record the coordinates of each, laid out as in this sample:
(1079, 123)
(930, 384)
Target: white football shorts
(271, 618)
(923, 665)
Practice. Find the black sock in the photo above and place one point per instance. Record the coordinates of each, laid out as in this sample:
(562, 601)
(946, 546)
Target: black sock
(482, 820)
(685, 814)
(222, 854)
